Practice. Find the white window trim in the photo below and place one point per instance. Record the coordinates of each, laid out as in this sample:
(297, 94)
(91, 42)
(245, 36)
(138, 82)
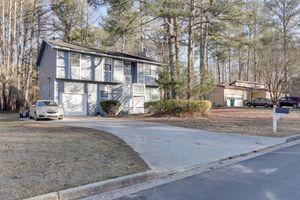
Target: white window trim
(69, 65)
(111, 69)
(56, 64)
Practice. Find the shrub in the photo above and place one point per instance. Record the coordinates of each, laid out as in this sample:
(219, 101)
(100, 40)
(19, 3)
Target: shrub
(178, 106)
(110, 107)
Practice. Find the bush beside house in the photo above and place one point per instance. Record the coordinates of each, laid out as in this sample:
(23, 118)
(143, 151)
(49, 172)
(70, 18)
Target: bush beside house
(110, 107)
(172, 107)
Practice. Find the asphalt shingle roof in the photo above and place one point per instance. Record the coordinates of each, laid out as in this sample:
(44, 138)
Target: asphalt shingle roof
(90, 50)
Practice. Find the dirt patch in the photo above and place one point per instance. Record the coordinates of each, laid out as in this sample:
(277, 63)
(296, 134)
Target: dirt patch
(37, 158)
(244, 121)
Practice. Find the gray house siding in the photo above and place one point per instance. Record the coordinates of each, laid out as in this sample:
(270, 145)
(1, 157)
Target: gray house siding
(92, 78)
(47, 73)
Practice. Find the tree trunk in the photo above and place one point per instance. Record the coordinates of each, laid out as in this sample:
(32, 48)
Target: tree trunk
(177, 59)
(9, 34)
(3, 49)
(229, 65)
(218, 70)
(13, 41)
(190, 52)
(248, 65)
(171, 47)
(240, 66)
(203, 44)
(19, 45)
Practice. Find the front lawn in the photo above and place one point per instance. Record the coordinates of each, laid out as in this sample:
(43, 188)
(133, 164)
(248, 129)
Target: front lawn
(250, 121)
(37, 158)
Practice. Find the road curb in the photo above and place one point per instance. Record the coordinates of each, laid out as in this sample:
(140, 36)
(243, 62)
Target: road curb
(167, 177)
(98, 187)
(293, 138)
(48, 196)
(142, 177)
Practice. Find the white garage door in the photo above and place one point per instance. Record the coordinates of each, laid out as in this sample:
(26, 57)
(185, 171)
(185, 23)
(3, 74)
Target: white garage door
(237, 100)
(74, 104)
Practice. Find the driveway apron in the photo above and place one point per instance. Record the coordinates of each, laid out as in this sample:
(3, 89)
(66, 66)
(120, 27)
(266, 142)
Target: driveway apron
(170, 148)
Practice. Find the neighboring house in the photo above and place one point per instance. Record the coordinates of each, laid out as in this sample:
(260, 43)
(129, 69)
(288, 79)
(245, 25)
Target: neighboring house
(239, 91)
(295, 87)
(79, 78)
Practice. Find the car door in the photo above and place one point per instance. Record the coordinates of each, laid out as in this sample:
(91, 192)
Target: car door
(263, 101)
(291, 101)
(259, 102)
(282, 101)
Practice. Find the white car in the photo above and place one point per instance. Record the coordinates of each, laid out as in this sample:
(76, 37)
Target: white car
(46, 109)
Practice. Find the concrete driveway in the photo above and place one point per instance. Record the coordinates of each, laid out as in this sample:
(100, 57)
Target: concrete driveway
(168, 148)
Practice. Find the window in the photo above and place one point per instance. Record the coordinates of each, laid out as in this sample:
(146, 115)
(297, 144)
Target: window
(75, 65)
(140, 73)
(86, 67)
(147, 70)
(127, 73)
(107, 69)
(62, 64)
(150, 70)
(96, 63)
(46, 103)
(103, 94)
(127, 69)
(152, 94)
(75, 60)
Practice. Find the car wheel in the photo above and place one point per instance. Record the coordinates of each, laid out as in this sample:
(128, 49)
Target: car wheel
(36, 117)
(30, 117)
(295, 106)
(61, 118)
(248, 104)
(266, 106)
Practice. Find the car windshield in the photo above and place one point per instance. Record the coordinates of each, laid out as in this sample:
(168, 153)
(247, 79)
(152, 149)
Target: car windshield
(46, 103)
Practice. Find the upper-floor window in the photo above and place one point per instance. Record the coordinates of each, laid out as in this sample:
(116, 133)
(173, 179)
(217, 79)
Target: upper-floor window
(150, 70)
(86, 67)
(75, 65)
(107, 69)
(127, 73)
(62, 64)
(127, 69)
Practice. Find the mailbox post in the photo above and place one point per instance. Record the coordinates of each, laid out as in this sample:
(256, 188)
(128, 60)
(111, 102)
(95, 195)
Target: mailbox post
(277, 114)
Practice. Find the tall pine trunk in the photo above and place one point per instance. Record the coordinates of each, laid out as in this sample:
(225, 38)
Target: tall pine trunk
(190, 66)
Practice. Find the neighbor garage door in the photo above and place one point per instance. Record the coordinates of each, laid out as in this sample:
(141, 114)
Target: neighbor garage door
(74, 104)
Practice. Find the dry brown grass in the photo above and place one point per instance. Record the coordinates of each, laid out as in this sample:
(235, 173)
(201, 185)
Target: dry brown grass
(37, 158)
(244, 121)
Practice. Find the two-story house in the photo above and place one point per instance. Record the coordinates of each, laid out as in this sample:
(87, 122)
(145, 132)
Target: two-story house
(79, 78)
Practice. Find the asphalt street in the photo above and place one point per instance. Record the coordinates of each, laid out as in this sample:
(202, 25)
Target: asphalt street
(273, 176)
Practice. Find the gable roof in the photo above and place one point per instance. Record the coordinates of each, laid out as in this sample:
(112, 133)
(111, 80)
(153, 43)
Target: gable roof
(56, 44)
(239, 87)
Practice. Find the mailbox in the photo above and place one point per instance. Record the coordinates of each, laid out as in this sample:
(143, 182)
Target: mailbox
(282, 110)
(278, 113)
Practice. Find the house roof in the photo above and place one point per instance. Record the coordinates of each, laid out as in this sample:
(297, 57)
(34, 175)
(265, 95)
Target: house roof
(249, 82)
(239, 87)
(56, 44)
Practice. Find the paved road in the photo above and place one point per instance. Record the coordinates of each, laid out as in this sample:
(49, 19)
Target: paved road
(273, 176)
(166, 148)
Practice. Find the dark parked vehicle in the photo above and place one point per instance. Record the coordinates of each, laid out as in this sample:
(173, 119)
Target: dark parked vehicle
(265, 102)
(290, 102)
